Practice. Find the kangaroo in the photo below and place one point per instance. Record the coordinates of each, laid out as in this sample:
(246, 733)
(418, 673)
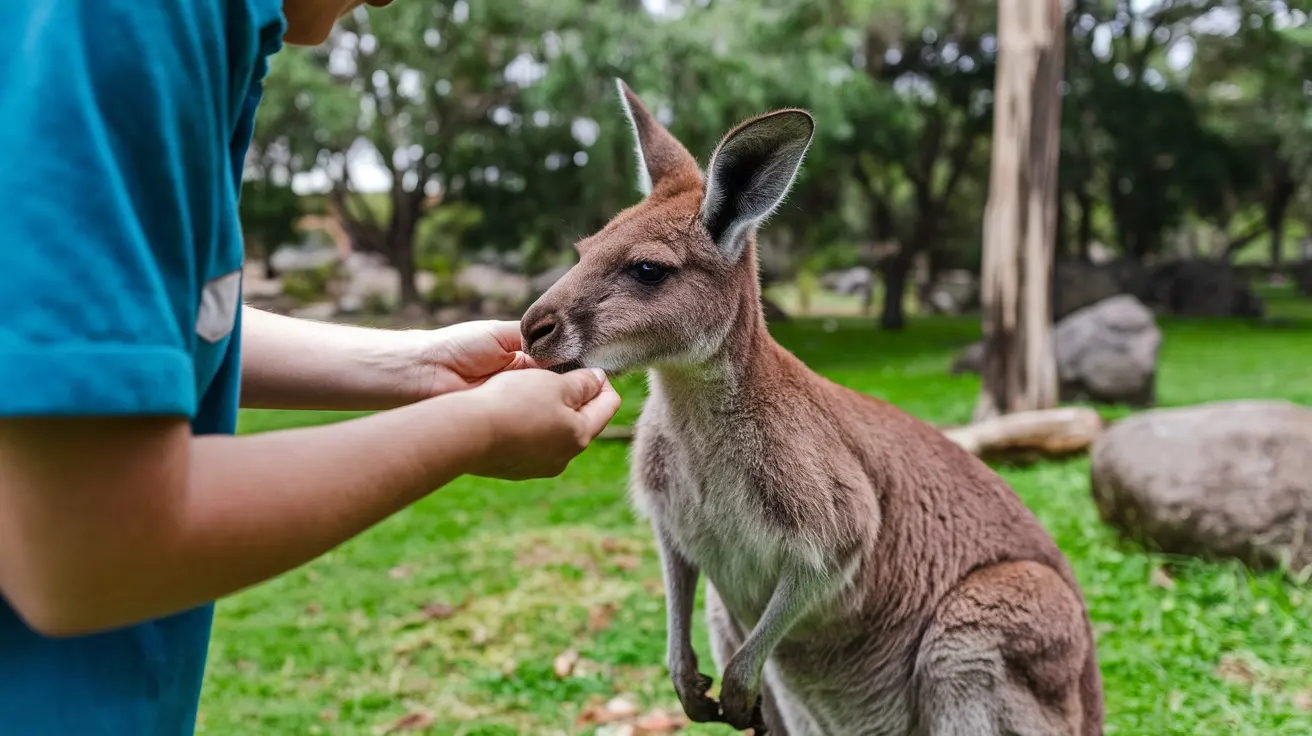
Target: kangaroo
(864, 574)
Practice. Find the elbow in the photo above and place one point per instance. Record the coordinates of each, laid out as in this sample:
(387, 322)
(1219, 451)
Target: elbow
(53, 614)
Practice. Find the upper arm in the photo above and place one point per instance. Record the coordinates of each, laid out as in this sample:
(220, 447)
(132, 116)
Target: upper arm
(113, 145)
(115, 153)
(79, 499)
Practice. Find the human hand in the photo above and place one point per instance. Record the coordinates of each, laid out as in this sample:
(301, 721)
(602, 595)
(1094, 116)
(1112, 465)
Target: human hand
(539, 421)
(463, 355)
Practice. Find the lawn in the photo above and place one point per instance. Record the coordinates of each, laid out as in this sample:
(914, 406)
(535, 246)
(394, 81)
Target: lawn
(449, 617)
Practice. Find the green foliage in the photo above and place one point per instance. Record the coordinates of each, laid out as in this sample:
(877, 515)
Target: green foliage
(508, 109)
(439, 237)
(310, 284)
(269, 213)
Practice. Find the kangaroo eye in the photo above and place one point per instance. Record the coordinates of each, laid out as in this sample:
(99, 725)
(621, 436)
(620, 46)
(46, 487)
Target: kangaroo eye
(649, 273)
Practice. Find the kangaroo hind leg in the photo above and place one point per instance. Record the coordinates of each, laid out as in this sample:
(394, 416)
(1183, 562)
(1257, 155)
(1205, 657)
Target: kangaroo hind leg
(1004, 656)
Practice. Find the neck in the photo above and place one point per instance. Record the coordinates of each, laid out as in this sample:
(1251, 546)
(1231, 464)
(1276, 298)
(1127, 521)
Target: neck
(720, 382)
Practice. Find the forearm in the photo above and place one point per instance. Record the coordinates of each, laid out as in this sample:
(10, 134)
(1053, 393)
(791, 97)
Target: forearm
(240, 511)
(290, 363)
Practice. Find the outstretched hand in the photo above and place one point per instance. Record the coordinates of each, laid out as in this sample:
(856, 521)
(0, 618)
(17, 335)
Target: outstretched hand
(466, 355)
(539, 421)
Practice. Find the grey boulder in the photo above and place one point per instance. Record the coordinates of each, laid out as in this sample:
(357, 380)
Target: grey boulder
(1106, 353)
(1226, 479)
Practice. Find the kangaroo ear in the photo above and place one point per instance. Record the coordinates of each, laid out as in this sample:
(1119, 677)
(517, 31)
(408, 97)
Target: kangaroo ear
(661, 158)
(750, 173)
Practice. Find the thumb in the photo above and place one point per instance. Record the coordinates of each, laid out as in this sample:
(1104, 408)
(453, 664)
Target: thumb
(582, 385)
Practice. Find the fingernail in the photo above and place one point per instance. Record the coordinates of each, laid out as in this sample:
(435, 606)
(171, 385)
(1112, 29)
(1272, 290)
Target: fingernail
(600, 374)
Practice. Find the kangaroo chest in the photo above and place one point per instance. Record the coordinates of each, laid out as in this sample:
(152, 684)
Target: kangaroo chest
(706, 500)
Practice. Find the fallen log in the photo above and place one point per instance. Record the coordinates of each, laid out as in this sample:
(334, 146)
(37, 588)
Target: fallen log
(1046, 433)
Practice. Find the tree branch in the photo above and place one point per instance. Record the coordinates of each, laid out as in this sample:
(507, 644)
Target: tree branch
(1237, 243)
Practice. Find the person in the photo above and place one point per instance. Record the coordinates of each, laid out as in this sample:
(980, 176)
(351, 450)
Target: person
(128, 504)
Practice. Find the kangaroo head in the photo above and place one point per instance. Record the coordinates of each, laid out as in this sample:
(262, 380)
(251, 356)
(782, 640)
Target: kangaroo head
(667, 280)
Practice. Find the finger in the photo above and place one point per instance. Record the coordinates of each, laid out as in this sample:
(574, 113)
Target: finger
(581, 385)
(521, 361)
(598, 412)
(507, 334)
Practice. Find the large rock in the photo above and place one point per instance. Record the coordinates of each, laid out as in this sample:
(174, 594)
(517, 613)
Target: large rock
(855, 281)
(1228, 479)
(1201, 288)
(369, 282)
(954, 292)
(1107, 353)
(1302, 275)
(304, 257)
(969, 360)
(1079, 284)
(495, 284)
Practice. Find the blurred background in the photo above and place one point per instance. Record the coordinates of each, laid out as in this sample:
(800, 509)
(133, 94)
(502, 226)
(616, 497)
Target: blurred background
(448, 154)
(435, 162)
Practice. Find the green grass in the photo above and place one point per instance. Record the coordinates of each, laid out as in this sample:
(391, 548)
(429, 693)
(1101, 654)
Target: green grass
(454, 610)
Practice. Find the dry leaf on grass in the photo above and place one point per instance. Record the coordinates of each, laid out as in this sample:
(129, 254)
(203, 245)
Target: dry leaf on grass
(564, 664)
(329, 714)
(620, 716)
(415, 720)
(622, 706)
(400, 572)
(599, 617)
(1161, 579)
(313, 609)
(1303, 700)
(627, 563)
(440, 611)
(658, 722)
(618, 708)
(1235, 670)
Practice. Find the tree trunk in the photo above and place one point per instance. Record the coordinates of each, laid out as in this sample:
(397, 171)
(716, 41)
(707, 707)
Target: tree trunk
(897, 271)
(1275, 224)
(404, 262)
(1086, 224)
(1062, 246)
(401, 244)
(1020, 371)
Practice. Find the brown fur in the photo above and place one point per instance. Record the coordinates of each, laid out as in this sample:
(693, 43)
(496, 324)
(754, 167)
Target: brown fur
(894, 583)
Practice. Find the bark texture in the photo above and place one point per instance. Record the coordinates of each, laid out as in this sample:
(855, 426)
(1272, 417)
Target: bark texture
(1020, 221)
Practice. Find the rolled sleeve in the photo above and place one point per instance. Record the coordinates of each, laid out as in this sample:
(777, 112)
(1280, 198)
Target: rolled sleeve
(111, 146)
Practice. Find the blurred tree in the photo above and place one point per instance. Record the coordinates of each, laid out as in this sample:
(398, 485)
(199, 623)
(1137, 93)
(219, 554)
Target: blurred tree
(269, 213)
(941, 70)
(1136, 131)
(1019, 372)
(1255, 83)
(424, 88)
(507, 111)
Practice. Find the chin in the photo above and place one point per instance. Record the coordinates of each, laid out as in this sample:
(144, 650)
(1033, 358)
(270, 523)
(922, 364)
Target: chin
(565, 367)
(309, 34)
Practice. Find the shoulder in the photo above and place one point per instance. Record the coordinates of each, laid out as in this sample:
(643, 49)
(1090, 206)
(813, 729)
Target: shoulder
(101, 41)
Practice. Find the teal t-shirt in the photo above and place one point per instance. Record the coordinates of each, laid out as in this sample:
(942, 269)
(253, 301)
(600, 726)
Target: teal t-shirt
(123, 128)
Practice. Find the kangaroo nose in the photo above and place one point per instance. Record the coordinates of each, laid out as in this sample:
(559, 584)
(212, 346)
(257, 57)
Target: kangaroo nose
(539, 331)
